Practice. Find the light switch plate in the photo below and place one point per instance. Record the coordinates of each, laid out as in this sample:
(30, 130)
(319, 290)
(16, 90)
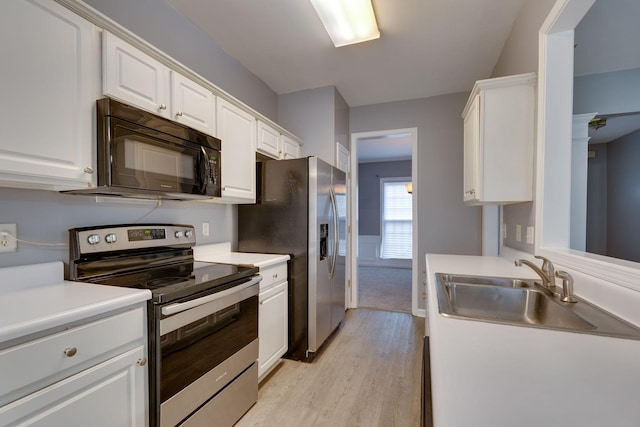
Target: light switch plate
(518, 233)
(205, 229)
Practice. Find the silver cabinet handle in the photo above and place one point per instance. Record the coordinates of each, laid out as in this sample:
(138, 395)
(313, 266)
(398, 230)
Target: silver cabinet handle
(88, 170)
(142, 361)
(70, 352)
(179, 114)
(163, 106)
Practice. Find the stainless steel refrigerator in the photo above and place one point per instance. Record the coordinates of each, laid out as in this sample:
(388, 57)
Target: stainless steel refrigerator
(301, 211)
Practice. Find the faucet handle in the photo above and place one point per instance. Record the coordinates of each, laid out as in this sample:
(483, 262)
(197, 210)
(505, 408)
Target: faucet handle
(547, 267)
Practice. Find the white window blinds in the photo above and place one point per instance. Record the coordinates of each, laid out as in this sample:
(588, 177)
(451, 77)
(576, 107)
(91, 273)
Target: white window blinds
(397, 220)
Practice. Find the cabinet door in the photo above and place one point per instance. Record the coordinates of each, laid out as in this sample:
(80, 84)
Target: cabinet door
(268, 141)
(471, 151)
(272, 327)
(112, 393)
(290, 148)
(50, 82)
(134, 77)
(192, 105)
(237, 130)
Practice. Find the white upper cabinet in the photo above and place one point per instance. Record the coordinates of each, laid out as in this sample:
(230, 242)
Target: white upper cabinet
(133, 76)
(138, 79)
(498, 141)
(192, 104)
(238, 131)
(50, 82)
(290, 148)
(272, 144)
(268, 140)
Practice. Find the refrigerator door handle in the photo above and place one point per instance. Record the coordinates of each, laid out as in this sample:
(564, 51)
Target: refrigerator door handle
(336, 234)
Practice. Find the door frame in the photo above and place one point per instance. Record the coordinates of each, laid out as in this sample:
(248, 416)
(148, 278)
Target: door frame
(353, 215)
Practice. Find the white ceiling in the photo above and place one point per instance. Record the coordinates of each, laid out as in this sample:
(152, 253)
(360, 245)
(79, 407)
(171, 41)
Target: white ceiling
(617, 127)
(426, 48)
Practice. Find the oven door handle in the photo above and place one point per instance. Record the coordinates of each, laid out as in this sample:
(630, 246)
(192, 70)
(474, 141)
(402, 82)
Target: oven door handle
(172, 309)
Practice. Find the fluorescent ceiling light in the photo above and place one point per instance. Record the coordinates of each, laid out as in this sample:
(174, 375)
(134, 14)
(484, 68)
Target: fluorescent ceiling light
(347, 21)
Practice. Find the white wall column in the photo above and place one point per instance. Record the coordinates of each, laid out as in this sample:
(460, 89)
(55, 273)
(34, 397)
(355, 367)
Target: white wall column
(579, 164)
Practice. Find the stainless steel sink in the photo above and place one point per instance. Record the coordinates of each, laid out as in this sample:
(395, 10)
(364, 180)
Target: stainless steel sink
(513, 305)
(523, 302)
(483, 280)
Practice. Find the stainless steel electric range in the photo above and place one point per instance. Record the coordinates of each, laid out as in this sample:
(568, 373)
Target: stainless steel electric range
(202, 318)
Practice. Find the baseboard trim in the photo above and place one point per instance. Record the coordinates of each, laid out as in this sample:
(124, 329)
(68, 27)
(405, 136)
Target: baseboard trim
(389, 263)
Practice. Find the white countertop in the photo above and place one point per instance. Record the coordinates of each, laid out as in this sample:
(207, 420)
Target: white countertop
(486, 374)
(34, 298)
(221, 252)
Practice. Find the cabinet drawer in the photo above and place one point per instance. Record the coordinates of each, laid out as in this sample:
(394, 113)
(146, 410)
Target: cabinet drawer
(272, 275)
(28, 363)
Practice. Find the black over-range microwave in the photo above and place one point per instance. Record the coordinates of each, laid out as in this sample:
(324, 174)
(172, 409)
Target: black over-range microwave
(141, 154)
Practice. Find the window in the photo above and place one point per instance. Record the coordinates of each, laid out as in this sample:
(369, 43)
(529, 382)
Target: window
(397, 219)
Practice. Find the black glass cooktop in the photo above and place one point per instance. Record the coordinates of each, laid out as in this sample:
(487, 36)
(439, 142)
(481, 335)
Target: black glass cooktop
(188, 279)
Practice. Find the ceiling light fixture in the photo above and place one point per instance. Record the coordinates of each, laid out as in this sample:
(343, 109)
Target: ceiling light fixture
(347, 21)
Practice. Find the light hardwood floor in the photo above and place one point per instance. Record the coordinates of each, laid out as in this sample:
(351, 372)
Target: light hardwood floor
(367, 374)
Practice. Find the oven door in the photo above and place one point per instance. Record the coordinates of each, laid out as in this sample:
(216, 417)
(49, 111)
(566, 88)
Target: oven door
(204, 344)
(146, 160)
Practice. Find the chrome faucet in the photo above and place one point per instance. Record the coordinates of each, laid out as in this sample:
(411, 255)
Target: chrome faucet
(546, 273)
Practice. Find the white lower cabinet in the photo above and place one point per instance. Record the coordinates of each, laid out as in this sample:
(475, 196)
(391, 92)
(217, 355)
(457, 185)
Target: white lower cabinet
(50, 81)
(88, 375)
(109, 394)
(273, 317)
(272, 329)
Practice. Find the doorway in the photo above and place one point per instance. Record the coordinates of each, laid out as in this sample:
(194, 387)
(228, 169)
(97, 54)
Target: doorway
(388, 156)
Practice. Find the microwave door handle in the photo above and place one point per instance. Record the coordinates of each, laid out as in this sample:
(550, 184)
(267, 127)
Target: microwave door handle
(203, 171)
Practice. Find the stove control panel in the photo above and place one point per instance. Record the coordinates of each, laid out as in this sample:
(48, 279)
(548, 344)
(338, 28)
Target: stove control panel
(117, 238)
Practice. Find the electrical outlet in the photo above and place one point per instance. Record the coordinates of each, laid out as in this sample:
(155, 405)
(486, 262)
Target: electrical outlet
(205, 229)
(530, 235)
(8, 235)
(518, 233)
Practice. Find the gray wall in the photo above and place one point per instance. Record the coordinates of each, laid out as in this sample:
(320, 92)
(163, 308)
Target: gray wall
(446, 224)
(623, 197)
(607, 93)
(44, 216)
(369, 175)
(162, 26)
(520, 55)
(320, 117)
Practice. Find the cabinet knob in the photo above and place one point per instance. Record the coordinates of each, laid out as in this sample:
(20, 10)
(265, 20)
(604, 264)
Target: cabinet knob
(142, 361)
(275, 276)
(88, 170)
(70, 352)
(179, 114)
(163, 106)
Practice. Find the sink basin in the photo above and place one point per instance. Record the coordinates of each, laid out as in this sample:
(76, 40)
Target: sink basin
(513, 305)
(483, 280)
(524, 302)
